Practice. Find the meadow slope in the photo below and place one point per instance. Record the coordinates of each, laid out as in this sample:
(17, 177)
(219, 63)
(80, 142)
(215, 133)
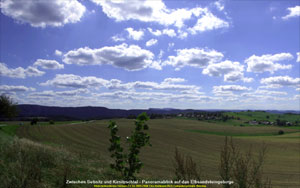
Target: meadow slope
(201, 140)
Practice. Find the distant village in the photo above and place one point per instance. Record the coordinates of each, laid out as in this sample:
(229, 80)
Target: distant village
(220, 116)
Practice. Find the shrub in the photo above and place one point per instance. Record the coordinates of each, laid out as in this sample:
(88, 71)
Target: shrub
(34, 121)
(280, 132)
(242, 168)
(51, 122)
(129, 164)
(185, 167)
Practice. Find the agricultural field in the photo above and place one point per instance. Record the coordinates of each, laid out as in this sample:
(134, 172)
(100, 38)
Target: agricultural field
(201, 140)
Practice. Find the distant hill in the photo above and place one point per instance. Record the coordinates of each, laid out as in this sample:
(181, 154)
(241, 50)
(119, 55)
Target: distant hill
(89, 112)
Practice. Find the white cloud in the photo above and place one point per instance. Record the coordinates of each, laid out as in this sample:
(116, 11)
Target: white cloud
(247, 80)
(281, 81)
(48, 64)
(169, 32)
(135, 35)
(220, 5)
(293, 12)
(194, 57)
(173, 80)
(208, 22)
(33, 71)
(156, 33)
(151, 42)
(51, 93)
(156, 11)
(58, 53)
(75, 81)
(230, 88)
(43, 13)
(147, 11)
(237, 76)
(11, 88)
(260, 64)
(182, 34)
(232, 71)
(227, 90)
(298, 56)
(12, 73)
(267, 92)
(223, 68)
(117, 38)
(19, 72)
(128, 57)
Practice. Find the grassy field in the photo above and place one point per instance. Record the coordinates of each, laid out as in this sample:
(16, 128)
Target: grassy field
(263, 116)
(201, 140)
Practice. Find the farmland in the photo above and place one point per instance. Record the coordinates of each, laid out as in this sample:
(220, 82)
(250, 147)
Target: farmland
(201, 140)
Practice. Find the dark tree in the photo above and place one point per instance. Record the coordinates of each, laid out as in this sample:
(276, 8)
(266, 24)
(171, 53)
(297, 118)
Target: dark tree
(7, 107)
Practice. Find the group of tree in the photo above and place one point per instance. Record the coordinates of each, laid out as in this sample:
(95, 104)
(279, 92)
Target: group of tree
(8, 107)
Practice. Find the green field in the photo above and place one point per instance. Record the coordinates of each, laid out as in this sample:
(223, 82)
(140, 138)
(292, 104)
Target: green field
(201, 140)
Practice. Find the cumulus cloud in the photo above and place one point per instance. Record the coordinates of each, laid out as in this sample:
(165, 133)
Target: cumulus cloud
(280, 81)
(293, 12)
(58, 53)
(169, 32)
(298, 56)
(194, 57)
(222, 68)
(51, 93)
(147, 11)
(227, 90)
(264, 63)
(232, 71)
(156, 11)
(208, 22)
(48, 64)
(19, 72)
(173, 80)
(151, 42)
(123, 56)
(220, 5)
(117, 38)
(33, 71)
(42, 13)
(268, 92)
(162, 86)
(231, 88)
(134, 34)
(156, 32)
(75, 81)
(12, 88)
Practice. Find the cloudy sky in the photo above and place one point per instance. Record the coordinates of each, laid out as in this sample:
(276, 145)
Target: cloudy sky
(226, 54)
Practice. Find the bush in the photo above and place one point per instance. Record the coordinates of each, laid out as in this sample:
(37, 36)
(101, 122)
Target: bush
(185, 167)
(51, 122)
(280, 132)
(34, 121)
(242, 168)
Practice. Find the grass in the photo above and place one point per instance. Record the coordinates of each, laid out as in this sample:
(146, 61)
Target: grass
(90, 141)
(262, 116)
(9, 129)
(232, 134)
(93, 138)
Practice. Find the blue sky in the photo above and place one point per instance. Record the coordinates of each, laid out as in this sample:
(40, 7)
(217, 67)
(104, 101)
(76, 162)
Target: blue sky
(151, 54)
